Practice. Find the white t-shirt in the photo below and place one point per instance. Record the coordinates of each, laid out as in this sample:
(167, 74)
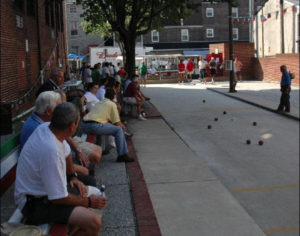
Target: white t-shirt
(101, 93)
(41, 169)
(91, 100)
(202, 64)
(152, 71)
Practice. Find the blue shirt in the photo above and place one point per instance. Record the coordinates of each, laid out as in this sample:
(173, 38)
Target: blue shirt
(30, 125)
(285, 79)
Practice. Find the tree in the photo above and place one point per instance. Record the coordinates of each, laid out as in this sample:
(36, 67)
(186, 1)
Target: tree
(129, 19)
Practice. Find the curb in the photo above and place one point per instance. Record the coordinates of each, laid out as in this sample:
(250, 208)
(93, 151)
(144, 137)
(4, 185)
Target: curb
(147, 224)
(257, 105)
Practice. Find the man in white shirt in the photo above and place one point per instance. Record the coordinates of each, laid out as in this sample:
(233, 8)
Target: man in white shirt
(202, 68)
(41, 180)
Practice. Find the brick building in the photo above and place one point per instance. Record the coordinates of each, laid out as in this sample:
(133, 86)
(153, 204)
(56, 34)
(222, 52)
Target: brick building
(208, 25)
(78, 40)
(32, 40)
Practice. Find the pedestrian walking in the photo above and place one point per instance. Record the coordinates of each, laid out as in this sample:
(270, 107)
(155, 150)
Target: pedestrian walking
(285, 88)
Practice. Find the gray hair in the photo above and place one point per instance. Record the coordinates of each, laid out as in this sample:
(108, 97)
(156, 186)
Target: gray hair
(54, 72)
(64, 115)
(283, 67)
(44, 100)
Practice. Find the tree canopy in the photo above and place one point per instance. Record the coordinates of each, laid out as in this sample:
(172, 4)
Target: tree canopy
(132, 18)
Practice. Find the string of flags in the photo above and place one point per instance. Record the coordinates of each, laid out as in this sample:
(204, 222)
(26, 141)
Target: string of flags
(263, 18)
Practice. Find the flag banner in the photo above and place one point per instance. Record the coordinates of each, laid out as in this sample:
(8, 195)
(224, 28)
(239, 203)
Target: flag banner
(294, 8)
(269, 15)
(277, 14)
(249, 20)
(253, 18)
(263, 18)
(244, 21)
(284, 11)
(237, 20)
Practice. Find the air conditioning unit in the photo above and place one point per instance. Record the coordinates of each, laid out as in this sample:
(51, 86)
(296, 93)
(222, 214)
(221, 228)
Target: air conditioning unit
(228, 64)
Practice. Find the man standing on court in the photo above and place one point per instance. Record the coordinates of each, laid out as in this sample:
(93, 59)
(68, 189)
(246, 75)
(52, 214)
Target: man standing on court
(285, 89)
(143, 73)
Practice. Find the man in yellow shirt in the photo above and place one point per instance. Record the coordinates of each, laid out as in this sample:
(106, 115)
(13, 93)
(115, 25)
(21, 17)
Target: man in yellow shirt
(104, 119)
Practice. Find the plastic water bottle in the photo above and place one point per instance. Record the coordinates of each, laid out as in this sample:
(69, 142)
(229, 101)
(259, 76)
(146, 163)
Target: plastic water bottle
(102, 191)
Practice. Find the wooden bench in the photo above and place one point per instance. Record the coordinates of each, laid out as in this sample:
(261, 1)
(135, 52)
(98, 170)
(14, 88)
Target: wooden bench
(9, 158)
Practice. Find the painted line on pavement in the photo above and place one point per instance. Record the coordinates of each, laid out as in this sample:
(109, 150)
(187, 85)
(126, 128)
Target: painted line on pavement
(282, 230)
(264, 188)
(212, 110)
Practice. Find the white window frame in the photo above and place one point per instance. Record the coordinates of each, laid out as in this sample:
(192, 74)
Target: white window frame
(154, 33)
(209, 12)
(211, 34)
(73, 9)
(235, 12)
(185, 35)
(235, 31)
(73, 27)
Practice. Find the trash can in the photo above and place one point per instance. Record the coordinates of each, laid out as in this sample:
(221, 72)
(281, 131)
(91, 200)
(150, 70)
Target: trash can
(5, 119)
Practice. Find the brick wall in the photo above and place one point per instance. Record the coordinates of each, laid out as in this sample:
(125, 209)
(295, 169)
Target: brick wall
(19, 68)
(268, 68)
(243, 51)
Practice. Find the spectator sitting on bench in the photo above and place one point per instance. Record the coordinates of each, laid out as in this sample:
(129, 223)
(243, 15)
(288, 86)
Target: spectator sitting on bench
(57, 75)
(44, 106)
(85, 152)
(41, 191)
(56, 80)
(90, 95)
(104, 119)
(133, 96)
(101, 91)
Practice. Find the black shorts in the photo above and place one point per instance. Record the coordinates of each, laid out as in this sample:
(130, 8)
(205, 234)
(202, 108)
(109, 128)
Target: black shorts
(212, 71)
(40, 211)
(238, 73)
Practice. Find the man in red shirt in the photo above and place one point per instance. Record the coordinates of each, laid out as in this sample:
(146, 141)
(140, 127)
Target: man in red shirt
(132, 96)
(181, 71)
(190, 69)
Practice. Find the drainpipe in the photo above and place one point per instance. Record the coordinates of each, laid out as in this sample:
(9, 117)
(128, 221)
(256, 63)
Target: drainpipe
(39, 36)
(282, 26)
(294, 30)
(262, 36)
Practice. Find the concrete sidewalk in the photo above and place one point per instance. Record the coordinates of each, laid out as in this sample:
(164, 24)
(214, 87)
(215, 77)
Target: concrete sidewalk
(187, 197)
(261, 94)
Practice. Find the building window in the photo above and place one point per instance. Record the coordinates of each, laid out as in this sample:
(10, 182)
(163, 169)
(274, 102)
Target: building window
(235, 33)
(73, 26)
(235, 12)
(75, 50)
(154, 36)
(209, 33)
(47, 16)
(19, 22)
(19, 4)
(73, 9)
(52, 14)
(184, 35)
(31, 6)
(209, 12)
(61, 18)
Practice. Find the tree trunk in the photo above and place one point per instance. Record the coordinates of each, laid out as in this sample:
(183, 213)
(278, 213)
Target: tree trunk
(129, 56)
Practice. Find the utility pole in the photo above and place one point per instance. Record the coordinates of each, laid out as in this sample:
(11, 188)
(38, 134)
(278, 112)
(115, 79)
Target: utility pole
(282, 26)
(231, 78)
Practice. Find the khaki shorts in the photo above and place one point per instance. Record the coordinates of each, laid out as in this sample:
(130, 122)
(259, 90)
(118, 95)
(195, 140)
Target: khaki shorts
(86, 147)
(129, 100)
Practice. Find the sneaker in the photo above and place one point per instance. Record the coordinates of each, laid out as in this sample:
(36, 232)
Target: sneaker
(125, 158)
(128, 134)
(141, 117)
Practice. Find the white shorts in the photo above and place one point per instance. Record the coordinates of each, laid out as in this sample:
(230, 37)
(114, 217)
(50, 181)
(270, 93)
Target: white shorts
(129, 100)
